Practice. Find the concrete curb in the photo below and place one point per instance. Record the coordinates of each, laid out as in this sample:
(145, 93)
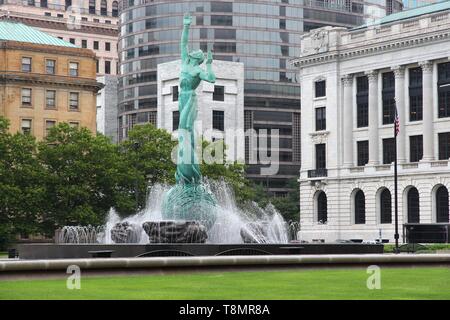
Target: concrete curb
(224, 261)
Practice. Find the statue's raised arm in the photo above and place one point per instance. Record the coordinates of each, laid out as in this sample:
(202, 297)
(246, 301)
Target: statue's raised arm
(187, 20)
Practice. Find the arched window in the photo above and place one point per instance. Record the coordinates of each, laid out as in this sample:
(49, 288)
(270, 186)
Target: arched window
(413, 206)
(442, 204)
(322, 215)
(103, 8)
(360, 207)
(385, 206)
(115, 9)
(92, 7)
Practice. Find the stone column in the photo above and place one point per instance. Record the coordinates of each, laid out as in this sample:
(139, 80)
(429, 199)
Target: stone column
(373, 116)
(428, 110)
(347, 81)
(399, 72)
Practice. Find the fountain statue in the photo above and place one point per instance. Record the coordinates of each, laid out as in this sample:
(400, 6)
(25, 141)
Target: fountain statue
(189, 199)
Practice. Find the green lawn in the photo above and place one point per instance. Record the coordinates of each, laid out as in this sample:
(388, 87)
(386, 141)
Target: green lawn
(3, 255)
(396, 283)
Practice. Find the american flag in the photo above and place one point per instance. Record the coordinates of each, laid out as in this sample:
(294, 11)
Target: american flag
(396, 123)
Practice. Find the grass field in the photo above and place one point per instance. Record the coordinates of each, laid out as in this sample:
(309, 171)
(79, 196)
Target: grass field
(3, 255)
(396, 283)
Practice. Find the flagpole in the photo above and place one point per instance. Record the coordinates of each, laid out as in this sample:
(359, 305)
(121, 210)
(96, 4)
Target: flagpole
(396, 235)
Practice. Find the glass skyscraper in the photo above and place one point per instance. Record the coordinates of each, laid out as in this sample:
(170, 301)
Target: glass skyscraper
(264, 35)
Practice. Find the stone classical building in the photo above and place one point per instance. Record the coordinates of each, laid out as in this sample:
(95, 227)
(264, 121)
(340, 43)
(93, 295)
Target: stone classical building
(45, 80)
(352, 83)
(221, 105)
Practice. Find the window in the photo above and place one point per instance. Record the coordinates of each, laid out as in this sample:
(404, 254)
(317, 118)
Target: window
(49, 124)
(92, 7)
(107, 67)
(322, 215)
(217, 20)
(96, 46)
(44, 4)
(388, 97)
(320, 88)
(218, 120)
(26, 126)
(115, 9)
(48, 14)
(103, 8)
(415, 94)
(415, 148)
(175, 120)
(72, 40)
(320, 156)
(219, 93)
(59, 15)
(84, 44)
(26, 64)
(74, 101)
(74, 124)
(363, 152)
(50, 97)
(50, 66)
(444, 145)
(444, 90)
(385, 206)
(321, 121)
(442, 205)
(360, 207)
(73, 69)
(413, 206)
(175, 93)
(362, 102)
(97, 66)
(68, 3)
(107, 46)
(388, 150)
(26, 97)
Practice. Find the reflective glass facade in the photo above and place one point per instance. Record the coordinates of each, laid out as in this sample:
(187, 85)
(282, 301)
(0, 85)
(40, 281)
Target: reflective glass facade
(264, 35)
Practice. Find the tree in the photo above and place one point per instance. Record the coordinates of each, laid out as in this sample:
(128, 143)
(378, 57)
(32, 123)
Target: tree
(83, 175)
(147, 154)
(21, 190)
(289, 207)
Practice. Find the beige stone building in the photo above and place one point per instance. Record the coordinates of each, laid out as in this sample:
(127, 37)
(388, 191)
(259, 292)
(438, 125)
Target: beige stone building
(44, 81)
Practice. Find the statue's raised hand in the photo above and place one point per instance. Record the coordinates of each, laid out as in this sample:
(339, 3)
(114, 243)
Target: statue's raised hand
(187, 19)
(209, 57)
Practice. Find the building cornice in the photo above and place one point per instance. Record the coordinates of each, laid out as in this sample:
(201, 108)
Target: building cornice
(54, 81)
(372, 49)
(60, 50)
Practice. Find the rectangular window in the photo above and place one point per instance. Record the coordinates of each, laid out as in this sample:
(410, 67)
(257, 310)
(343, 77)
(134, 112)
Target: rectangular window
(74, 101)
(320, 88)
(74, 124)
(97, 66)
(415, 94)
(444, 146)
(218, 120)
(95, 45)
(321, 121)
(26, 126)
(84, 44)
(388, 150)
(72, 40)
(363, 152)
(73, 69)
(49, 124)
(175, 93)
(362, 101)
(175, 120)
(50, 66)
(26, 64)
(107, 46)
(50, 97)
(107, 67)
(444, 90)
(26, 97)
(217, 20)
(320, 156)
(388, 97)
(415, 148)
(219, 93)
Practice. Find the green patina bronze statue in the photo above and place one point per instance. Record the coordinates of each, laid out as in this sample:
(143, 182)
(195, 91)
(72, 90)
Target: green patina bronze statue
(189, 199)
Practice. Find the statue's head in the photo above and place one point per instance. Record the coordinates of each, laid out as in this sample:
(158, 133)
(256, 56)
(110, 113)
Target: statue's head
(197, 56)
